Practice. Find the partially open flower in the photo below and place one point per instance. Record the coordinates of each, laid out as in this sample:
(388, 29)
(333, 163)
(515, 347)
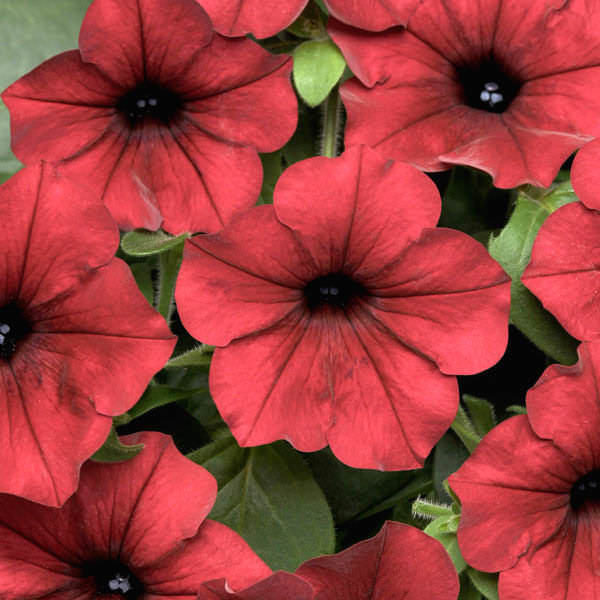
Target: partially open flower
(78, 341)
(530, 493)
(156, 113)
(344, 312)
(507, 87)
(134, 530)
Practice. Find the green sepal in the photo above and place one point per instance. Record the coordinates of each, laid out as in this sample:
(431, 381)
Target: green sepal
(516, 409)
(512, 249)
(318, 66)
(141, 242)
(269, 496)
(444, 529)
(427, 509)
(114, 451)
(485, 583)
(196, 357)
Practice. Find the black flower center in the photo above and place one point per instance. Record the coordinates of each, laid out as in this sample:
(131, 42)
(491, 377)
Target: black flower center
(488, 85)
(13, 328)
(335, 289)
(113, 577)
(149, 101)
(586, 489)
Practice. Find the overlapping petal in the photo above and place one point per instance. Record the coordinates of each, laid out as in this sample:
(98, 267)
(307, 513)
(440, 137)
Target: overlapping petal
(83, 327)
(585, 175)
(412, 105)
(157, 108)
(368, 369)
(563, 272)
(399, 562)
(279, 586)
(147, 514)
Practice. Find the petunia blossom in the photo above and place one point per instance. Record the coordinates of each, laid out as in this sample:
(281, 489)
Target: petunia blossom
(78, 341)
(133, 530)
(341, 313)
(564, 271)
(399, 562)
(530, 493)
(585, 174)
(265, 18)
(157, 113)
(510, 88)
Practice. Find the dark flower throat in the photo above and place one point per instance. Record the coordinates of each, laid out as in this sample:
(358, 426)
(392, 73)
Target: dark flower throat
(112, 577)
(488, 85)
(335, 289)
(586, 489)
(149, 101)
(13, 328)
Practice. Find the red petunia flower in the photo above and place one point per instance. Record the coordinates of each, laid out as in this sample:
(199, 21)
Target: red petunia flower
(343, 311)
(564, 271)
(133, 530)
(264, 18)
(78, 341)
(399, 562)
(507, 87)
(157, 114)
(530, 493)
(585, 174)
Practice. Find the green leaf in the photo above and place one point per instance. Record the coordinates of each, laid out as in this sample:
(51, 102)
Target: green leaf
(448, 456)
(196, 357)
(486, 583)
(512, 249)
(310, 24)
(271, 163)
(32, 31)
(352, 492)
(114, 451)
(443, 529)
(142, 272)
(141, 242)
(481, 412)
(272, 501)
(155, 396)
(467, 590)
(318, 66)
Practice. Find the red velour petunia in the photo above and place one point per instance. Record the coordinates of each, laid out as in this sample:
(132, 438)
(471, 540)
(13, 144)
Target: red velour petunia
(344, 311)
(133, 530)
(585, 174)
(264, 18)
(158, 114)
(564, 271)
(511, 88)
(399, 562)
(530, 493)
(78, 341)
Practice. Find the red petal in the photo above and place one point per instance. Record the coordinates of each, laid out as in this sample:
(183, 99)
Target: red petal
(103, 340)
(132, 41)
(514, 492)
(216, 551)
(384, 567)
(585, 175)
(374, 15)
(262, 18)
(563, 272)
(218, 283)
(357, 212)
(448, 299)
(279, 586)
(564, 406)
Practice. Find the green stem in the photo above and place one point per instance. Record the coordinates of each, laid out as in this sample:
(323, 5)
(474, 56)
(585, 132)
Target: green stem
(169, 263)
(332, 117)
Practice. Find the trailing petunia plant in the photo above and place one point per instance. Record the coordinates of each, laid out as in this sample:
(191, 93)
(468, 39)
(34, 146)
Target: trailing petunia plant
(299, 300)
